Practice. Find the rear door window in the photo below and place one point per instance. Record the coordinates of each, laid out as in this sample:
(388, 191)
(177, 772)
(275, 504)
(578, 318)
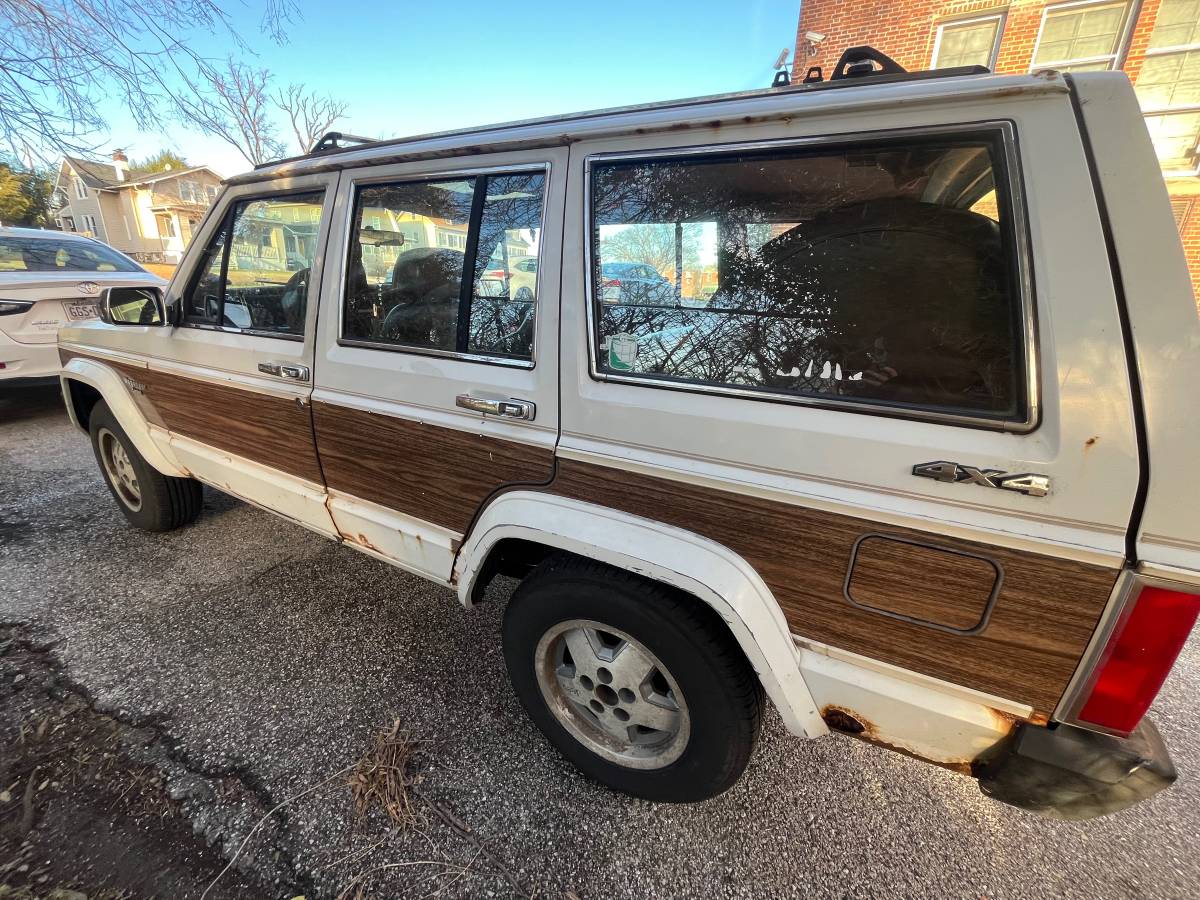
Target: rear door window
(254, 274)
(881, 274)
(446, 266)
(49, 254)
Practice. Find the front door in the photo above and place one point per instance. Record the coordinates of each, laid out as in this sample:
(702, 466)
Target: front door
(437, 382)
(232, 383)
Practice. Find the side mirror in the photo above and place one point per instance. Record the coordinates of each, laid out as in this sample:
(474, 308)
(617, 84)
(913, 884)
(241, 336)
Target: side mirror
(132, 306)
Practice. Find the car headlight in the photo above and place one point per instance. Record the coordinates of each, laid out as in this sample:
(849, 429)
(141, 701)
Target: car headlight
(14, 307)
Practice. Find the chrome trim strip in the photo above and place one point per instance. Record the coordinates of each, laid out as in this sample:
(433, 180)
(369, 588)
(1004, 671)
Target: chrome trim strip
(445, 354)
(249, 332)
(354, 181)
(106, 353)
(1022, 239)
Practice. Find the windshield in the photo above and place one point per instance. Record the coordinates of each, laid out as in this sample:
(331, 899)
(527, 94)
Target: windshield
(39, 254)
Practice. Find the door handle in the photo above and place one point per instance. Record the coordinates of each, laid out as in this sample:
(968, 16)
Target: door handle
(511, 409)
(284, 370)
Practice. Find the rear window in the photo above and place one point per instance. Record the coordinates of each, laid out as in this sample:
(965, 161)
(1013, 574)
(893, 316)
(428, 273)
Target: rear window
(48, 254)
(446, 266)
(883, 274)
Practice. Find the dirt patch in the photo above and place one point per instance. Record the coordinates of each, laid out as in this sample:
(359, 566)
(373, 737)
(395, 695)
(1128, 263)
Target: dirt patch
(79, 810)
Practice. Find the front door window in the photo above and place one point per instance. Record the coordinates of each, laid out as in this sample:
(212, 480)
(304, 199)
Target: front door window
(255, 272)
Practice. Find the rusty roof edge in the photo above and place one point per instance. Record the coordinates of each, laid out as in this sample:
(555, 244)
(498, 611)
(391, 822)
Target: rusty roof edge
(713, 111)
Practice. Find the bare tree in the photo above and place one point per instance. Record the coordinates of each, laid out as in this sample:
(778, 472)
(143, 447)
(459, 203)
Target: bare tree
(310, 113)
(234, 104)
(653, 244)
(60, 58)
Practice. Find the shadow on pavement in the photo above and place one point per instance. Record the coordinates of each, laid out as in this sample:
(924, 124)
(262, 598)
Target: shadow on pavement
(27, 403)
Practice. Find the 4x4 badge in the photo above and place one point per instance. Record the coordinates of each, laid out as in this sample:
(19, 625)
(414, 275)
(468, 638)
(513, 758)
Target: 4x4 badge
(1024, 483)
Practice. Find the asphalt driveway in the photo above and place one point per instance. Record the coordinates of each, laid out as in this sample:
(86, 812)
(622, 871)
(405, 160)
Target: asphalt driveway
(267, 657)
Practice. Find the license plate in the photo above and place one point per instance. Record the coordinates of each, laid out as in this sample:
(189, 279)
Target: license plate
(79, 311)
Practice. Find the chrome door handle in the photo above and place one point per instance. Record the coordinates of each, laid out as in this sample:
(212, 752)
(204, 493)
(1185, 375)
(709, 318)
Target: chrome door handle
(284, 370)
(512, 409)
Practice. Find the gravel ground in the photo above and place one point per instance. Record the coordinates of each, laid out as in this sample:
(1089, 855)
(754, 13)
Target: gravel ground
(270, 656)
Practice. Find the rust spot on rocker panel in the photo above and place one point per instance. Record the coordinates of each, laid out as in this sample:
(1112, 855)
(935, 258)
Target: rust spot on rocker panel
(1003, 721)
(1006, 721)
(841, 720)
(849, 722)
(362, 540)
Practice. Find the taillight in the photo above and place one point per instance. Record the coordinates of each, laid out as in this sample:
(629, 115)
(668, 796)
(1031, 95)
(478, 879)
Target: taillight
(610, 291)
(13, 307)
(1137, 658)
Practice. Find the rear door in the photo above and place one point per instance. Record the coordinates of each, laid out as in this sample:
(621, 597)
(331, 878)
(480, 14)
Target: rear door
(892, 380)
(437, 383)
(231, 384)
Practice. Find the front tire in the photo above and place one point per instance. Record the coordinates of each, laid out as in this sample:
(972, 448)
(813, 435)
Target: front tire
(149, 499)
(642, 688)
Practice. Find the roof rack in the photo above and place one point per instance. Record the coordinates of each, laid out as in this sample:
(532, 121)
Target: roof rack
(333, 140)
(858, 65)
(861, 62)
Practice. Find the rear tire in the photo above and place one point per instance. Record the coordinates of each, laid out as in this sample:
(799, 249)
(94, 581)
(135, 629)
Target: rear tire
(149, 499)
(641, 687)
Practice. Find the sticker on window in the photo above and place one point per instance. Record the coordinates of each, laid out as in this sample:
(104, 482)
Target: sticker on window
(622, 352)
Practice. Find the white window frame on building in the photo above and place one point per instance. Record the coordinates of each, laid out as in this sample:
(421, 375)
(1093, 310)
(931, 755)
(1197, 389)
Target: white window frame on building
(1161, 113)
(89, 224)
(999, 17)
(1111, 60)
(80, 188)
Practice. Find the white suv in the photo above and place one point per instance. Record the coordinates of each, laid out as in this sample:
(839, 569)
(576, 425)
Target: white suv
(907, 446)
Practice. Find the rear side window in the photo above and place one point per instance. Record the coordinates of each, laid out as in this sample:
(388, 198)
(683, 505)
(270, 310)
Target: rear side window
(254, 274)
(880, 273)
(48, 254)
(447, 266)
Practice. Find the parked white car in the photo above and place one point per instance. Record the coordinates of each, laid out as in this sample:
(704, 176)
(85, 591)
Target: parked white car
(921, 469)
(49, 279)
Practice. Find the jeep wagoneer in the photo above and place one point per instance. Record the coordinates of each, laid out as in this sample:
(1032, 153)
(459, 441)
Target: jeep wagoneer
(874, 397)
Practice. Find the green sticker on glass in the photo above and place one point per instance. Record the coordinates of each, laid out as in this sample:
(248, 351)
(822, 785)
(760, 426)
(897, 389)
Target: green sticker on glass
(622, 352)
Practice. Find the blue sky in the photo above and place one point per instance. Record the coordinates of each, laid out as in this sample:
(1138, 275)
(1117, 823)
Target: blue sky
(408, 68)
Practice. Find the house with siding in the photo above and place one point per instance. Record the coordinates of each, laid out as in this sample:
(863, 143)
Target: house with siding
(148, 215)
(1155, 42)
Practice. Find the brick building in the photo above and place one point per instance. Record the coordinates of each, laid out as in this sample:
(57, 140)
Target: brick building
(1155, 42)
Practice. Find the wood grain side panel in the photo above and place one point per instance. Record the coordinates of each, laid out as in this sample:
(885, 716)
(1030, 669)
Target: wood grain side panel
(1044, 615)
(440, 475)
(273, 431)
(922, 582)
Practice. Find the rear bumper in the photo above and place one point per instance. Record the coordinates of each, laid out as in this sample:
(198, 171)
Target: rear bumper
(27, 361)
(1071, 773)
